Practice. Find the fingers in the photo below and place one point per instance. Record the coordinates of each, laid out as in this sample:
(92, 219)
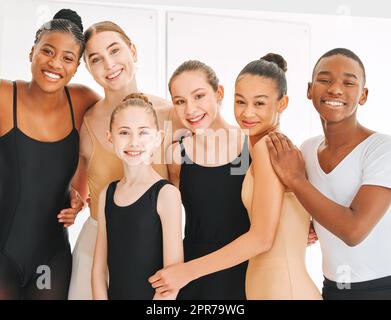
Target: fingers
(67, 217)
(272, 150)
(154, 278)
(276, 142)
(157, 284)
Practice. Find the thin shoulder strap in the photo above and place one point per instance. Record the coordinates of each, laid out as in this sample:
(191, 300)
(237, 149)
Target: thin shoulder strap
(184, 156)
(15, 99)
(70, 106)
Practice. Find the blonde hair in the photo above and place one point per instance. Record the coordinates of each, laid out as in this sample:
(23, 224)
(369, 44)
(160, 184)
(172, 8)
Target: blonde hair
(138, 100)
(105, 26)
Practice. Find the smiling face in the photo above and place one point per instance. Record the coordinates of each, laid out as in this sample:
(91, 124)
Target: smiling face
(54, 60)
(337, 88)
(110, 60)
(134, 135)
(257, 104)
(194, 100)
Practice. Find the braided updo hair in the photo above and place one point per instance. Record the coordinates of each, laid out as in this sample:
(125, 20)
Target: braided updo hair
(138, 100)
(67, 21)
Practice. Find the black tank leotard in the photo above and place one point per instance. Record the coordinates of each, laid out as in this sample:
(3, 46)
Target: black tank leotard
(134, 244)
(215, 215)
(34, 187)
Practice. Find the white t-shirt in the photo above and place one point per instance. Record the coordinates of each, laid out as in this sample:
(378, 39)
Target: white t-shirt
(368, 164)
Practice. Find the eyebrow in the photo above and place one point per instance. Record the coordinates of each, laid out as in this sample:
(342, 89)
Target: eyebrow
(53, 47)
(108, 47)
(257, 96)
(346, 74)
(126, 127)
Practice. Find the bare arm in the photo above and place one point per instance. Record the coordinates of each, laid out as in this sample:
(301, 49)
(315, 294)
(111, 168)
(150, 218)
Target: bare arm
(265, 215)
(173, 160)
(99, 268)
(351, 224)
(170, 212)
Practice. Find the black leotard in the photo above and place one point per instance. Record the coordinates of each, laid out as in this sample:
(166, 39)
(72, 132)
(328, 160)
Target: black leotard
(215, 215)
(34, 187)
(134, 244)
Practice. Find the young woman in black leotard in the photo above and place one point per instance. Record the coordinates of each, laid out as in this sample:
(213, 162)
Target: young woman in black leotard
(39, 145)
(139, 217)
(210, 188)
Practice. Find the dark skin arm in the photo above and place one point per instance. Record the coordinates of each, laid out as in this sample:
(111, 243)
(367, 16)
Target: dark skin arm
(351, 224)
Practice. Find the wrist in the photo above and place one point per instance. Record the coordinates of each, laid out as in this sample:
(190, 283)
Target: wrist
(295, 182)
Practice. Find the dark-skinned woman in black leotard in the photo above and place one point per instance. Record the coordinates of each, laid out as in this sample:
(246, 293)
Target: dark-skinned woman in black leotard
(39, 146)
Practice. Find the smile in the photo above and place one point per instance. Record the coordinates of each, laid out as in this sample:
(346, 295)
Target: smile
(249, 124)
(197, 119)
(51, 76)
(333, 103)
(114, 75)
(133, 153)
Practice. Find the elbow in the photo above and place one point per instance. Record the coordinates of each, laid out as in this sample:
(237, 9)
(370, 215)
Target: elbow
(262, 244)
(354, 236)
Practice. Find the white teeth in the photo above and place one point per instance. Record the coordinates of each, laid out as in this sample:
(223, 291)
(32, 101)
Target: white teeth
(115, 74)
(133, 153)
(196, 119)
(52, 75)
(334, 103)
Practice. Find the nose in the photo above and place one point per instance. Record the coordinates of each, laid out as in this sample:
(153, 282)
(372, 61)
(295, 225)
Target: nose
(108, 63)
(248, 112)
(190, 108)
(55, 62)
(335, 88)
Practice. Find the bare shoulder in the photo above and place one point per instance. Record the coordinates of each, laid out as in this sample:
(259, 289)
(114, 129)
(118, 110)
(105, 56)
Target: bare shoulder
(169, 197)
(260, 148)
(83, 96)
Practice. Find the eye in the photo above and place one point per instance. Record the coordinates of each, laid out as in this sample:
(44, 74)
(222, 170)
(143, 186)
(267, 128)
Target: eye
(350, 83)
(47, 51)
(68, 59)
(144, 132)
(114, 51)
(95, 60)
(259, 103)
(239, 101)
(322, 80)
(123, 133)
(179, 102)
(199, 96)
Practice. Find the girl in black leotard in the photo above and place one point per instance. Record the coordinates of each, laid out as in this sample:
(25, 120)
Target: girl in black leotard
(139, 217)
(210, 179)
(38, 156)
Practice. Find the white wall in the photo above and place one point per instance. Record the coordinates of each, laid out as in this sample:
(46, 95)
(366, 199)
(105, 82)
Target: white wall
(227, 40)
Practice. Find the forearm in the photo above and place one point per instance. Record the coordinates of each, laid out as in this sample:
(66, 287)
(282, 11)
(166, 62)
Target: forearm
(241, 249)
(99, 286)
(336, 218)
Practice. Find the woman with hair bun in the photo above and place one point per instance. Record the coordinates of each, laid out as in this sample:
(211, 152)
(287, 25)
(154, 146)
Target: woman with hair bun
(110, 57)
(139, 229)
(276, 242)
(39, 147)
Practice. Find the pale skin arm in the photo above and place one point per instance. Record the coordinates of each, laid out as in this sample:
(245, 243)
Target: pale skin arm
(351, 224)
(170, 212)
(265, 214)
(99, 269)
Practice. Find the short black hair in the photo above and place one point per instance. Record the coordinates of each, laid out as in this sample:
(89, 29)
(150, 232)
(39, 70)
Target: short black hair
(343, 52)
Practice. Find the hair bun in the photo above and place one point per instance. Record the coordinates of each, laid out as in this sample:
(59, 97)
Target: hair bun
(137, 95)
(277, 59)
(68, 14)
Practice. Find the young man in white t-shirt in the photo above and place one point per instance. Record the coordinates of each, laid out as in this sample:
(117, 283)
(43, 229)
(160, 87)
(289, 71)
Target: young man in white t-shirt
(347, 188)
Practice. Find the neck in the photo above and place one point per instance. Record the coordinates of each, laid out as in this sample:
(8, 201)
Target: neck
(342, 133)
(114, 97)
(137, 174)
(47, 101)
